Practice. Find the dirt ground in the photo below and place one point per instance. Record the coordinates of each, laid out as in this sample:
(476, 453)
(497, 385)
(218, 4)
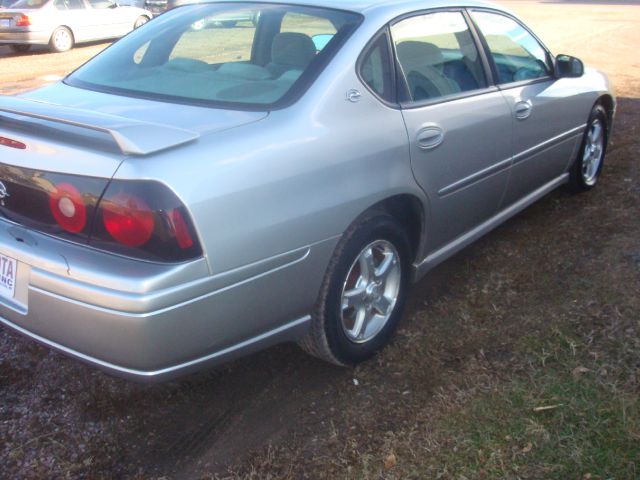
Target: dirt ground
(563, 276)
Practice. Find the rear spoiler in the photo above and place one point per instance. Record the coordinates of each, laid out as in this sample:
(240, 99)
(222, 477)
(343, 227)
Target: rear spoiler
(133, 137)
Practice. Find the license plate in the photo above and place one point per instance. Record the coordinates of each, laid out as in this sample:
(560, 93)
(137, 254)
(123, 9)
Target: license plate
(8, 271)
(5, 22)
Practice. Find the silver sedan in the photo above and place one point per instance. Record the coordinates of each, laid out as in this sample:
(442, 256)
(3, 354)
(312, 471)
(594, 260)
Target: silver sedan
(61, 24)
(192, 195)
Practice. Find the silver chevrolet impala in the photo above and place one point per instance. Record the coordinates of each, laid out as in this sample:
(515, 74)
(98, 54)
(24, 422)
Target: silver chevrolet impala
(192, 195)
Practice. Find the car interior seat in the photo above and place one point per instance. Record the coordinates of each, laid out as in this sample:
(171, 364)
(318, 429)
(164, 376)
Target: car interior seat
(468, 71)
(423, 64)
(290, 51)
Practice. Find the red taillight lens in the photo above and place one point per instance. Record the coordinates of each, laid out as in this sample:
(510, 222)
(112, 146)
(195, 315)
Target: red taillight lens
(146, 220)
(128, 219)
(68, 208)
(23, 21)
(8, 142)
(181, 230)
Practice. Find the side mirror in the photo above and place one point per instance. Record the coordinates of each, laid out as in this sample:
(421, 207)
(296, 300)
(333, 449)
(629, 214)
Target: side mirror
(568, 67)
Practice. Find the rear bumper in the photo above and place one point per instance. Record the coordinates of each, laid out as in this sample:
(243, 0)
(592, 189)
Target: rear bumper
(288, 332)
(155, 322)
(28, 38)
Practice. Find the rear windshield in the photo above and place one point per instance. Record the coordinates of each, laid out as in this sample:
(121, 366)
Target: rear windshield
(247, 55)
(27, 4)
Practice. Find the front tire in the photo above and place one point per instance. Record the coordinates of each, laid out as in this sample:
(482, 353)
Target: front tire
(587, 168)
(61, 40)
(363, 293)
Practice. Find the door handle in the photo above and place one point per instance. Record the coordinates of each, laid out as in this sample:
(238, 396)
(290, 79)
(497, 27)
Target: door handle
(430, 137)
(523, 109)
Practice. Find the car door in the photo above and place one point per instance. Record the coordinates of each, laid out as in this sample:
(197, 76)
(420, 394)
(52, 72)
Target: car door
(545, 133)
(459, 126)
(107, 20)
(71, 14)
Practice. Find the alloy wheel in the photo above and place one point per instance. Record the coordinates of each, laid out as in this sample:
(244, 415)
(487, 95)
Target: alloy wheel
(370, 291)
(593, 153)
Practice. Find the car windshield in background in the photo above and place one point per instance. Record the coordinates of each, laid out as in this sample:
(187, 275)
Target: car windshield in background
(243, 55)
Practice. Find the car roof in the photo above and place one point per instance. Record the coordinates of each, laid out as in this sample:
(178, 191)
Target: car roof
(394, 7)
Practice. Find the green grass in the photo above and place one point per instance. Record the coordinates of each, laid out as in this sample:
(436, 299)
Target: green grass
(591, 430)
(556, 412)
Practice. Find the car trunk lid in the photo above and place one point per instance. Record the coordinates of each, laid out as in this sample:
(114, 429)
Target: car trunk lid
(80, 132)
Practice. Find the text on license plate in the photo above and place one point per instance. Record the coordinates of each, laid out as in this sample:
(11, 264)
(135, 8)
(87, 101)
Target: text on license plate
(5, 22)
(8, 271)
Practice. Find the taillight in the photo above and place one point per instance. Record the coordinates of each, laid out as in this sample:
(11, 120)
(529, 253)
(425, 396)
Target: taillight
(139, 219)
(23, 21)
(128, 219)
(9, 142)
(145, 220)
(68, 208)
(181, 229)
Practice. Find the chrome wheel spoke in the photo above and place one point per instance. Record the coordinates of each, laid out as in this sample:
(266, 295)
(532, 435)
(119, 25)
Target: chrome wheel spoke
(354, 298)
(385, 266)
(596, 133)
(587, 152)
(360, 323)
(382, 305)
(367, 264)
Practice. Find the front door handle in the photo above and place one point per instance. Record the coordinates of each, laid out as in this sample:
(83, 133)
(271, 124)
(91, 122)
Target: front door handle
(430, 136)
(523, 109)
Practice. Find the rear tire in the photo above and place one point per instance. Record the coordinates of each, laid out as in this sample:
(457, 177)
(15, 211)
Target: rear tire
(20, 47)
(363, 292)
(587, 168)
(61, 40)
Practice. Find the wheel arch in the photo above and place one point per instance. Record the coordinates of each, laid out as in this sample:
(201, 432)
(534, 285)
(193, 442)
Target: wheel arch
(409, 210)
(68, 27)
(608, 103)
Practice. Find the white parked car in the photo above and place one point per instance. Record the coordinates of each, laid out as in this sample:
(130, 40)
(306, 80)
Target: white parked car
(63, 23)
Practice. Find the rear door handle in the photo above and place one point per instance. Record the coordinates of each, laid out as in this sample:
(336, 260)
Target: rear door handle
(523, 109)
(430, 136)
